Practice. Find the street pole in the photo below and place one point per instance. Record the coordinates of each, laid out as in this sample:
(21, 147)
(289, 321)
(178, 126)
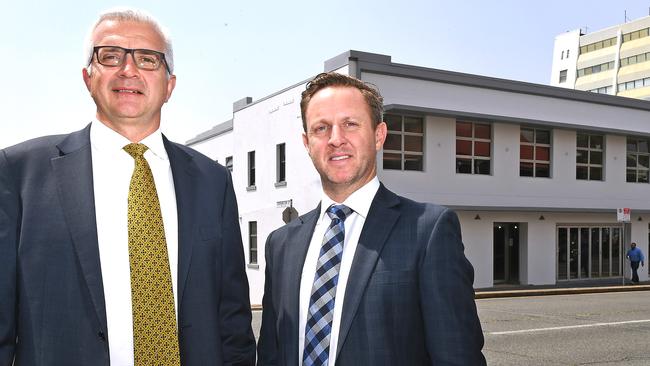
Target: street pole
(623, 253)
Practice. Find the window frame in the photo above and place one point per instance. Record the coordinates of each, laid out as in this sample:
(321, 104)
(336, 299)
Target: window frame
(588, 150)
(252, 243)
(402, 133)
(535, 161)
(251, 170)
(472, 140)
(229, 163)
(636, 155)
(280, 164)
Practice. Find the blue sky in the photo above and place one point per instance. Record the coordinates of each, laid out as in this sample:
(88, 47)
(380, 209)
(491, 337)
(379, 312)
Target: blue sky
(228, 50)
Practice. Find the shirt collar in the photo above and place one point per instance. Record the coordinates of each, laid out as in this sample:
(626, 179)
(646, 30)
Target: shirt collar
(359, 201)
(105, 139)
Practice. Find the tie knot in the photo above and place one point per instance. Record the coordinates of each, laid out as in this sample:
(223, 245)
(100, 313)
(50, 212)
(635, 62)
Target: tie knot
(338, 212)
(135, 150)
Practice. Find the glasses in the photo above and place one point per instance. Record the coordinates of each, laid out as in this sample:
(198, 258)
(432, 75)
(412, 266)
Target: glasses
(112, 56)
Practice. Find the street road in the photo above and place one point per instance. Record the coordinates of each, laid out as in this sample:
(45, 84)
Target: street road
(592, 329)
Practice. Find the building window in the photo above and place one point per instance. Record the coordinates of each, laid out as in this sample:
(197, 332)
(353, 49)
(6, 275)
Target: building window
(252, 242)
(562, 76)
(404, 145)
(634, 84)
(635, 35)
(589, 156)
(638, 159)
(280, 163)
(598, 45)
(251, 168)
(473, 147)
(596, 69)
(535, 153)
(588, 252)
(642, 57)
(603, 90)
(229, 163)
(567, 53)
(562, 55)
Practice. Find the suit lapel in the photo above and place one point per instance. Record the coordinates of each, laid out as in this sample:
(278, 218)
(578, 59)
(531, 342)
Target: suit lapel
(379, 223)
(74, 178)
(183, 171)
(294, 255)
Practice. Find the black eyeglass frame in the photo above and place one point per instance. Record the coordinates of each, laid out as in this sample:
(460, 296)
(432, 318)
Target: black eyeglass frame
(131, 51)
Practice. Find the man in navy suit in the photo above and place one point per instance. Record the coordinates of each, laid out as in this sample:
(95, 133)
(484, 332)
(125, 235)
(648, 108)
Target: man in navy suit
(65, 251)
(368, 277)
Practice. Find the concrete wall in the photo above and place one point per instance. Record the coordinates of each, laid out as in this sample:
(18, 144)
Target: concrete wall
(563, 42)
(538, 252)
(505, 188)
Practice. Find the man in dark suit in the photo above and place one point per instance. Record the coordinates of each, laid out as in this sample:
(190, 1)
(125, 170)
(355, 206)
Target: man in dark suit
(368, 277)
(118, 246)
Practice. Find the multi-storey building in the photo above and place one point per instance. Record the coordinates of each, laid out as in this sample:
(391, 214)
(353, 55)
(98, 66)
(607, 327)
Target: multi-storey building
(534, 172)
(614, 60)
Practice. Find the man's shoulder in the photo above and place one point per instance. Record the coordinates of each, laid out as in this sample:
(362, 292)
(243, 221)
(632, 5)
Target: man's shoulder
(44, 146)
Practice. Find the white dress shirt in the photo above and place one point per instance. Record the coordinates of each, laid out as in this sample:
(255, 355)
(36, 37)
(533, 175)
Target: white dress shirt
(359, 201)
(112, 170)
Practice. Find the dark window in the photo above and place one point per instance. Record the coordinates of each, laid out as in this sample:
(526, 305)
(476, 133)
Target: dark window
(404, 145)
(229, 163)
(252, 242)
(251, 168)
(638, 160)
(590, 150)
(280, 158)
(535, 153)
(473, 147)
(562, 76)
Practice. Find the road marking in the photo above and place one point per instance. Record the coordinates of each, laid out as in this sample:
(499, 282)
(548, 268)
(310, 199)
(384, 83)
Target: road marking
(569, 327)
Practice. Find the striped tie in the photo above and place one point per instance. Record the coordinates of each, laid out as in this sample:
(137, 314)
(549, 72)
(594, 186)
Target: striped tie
(155, 338)
(323, 292)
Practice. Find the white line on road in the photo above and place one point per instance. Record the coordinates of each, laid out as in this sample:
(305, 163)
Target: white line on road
(569, 327)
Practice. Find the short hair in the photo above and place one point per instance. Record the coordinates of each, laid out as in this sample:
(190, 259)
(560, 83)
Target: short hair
(128, 15)
(333, 79)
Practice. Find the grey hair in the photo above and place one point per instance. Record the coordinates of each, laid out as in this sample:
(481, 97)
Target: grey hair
(128, 15)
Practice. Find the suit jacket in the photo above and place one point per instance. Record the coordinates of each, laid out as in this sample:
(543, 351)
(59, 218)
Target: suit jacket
(409, 298)
(52, 305)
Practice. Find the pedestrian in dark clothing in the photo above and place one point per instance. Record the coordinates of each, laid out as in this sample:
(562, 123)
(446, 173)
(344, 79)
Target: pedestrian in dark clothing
(635, 255)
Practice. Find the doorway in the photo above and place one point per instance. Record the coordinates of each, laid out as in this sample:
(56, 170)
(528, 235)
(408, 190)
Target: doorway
(506, 252)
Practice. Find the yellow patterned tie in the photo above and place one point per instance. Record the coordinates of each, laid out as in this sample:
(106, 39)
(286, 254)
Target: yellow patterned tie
(155, 337)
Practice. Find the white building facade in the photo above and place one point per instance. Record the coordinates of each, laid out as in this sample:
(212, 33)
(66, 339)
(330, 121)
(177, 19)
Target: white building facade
(534, 172)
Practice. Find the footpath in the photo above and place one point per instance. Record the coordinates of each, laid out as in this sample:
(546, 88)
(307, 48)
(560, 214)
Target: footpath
(565, 288)
(562, 288)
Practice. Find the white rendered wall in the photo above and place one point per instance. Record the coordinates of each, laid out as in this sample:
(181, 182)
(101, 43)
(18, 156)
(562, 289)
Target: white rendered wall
(505, 188)
(569, 41)
(477, 238)
(261, 127)
(217, 148)
(538, 260)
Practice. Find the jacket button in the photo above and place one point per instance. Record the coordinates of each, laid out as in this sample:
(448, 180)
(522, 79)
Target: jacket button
(101, 335)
